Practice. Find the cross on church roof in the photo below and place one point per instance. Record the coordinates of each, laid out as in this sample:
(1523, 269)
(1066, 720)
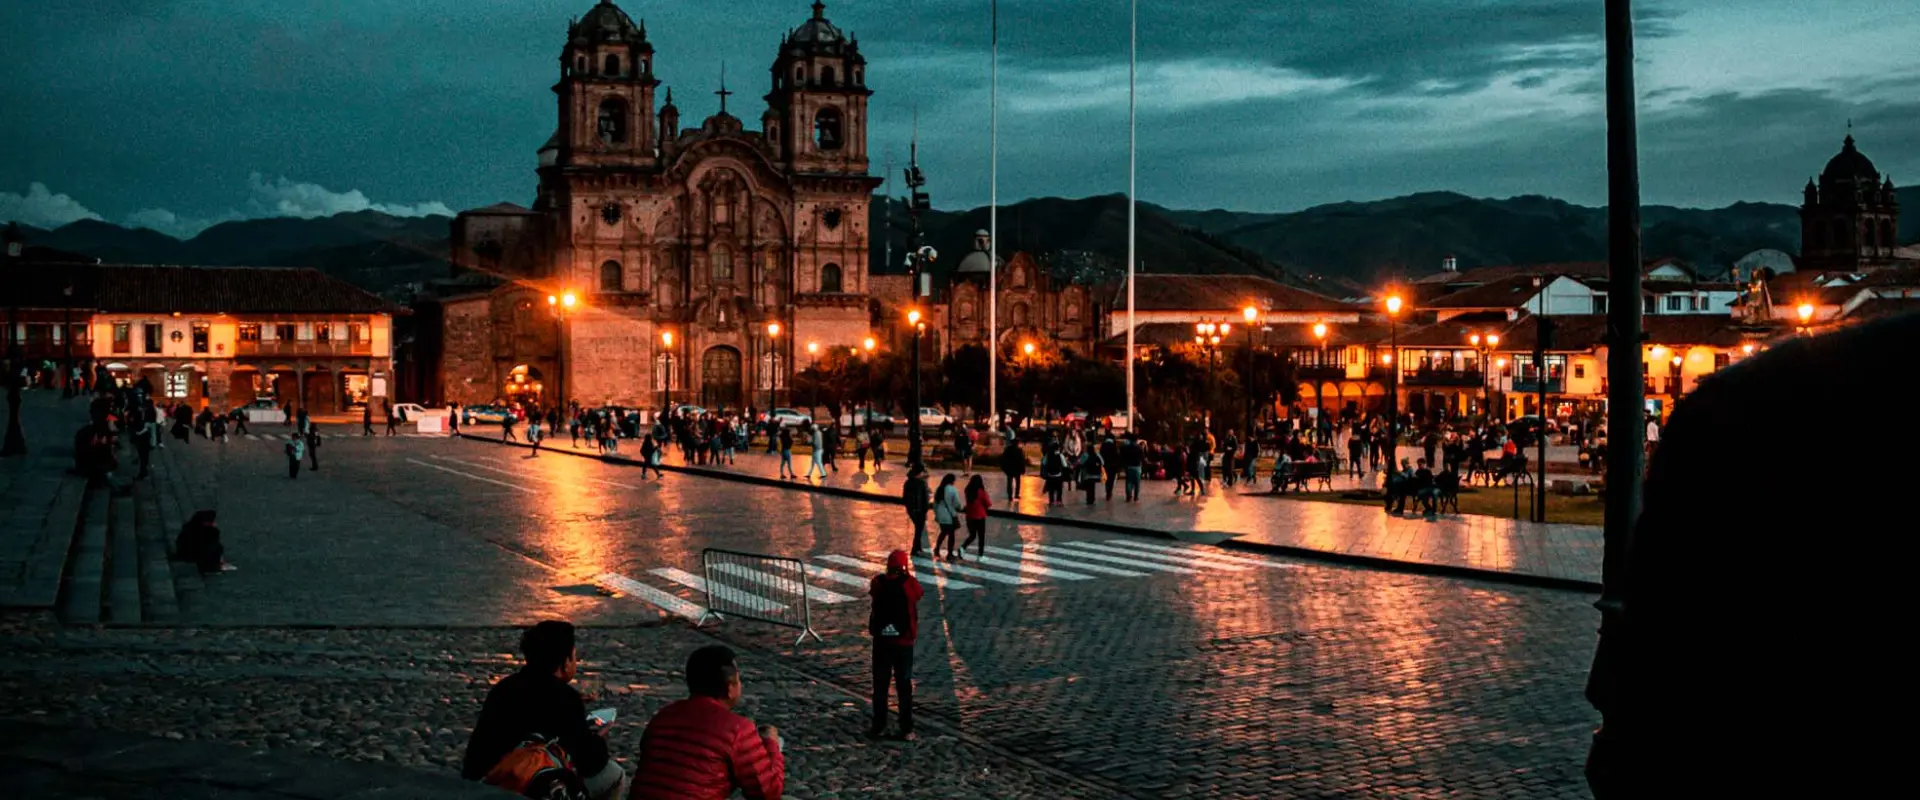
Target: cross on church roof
(723, 93)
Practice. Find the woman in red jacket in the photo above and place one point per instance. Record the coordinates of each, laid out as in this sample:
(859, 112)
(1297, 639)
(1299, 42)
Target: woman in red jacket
(976, 512)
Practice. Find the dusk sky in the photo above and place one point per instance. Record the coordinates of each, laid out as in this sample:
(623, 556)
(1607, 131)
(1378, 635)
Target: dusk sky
(176, 114)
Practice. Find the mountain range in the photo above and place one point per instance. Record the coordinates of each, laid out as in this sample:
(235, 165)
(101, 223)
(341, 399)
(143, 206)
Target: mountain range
(1337, 249)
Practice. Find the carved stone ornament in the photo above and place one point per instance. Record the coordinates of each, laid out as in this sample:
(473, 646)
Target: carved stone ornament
(831, 217)
(611, 213)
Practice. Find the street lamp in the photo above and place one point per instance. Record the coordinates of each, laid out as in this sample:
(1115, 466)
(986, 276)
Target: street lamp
(913, 419)
(1320, 331)
(562, 307)
(16, 443)
(1251, 315)
(773, 375)
(1208, 339)
(666, 391)
(1806, 317)
(1485, 345)
(1394, 304)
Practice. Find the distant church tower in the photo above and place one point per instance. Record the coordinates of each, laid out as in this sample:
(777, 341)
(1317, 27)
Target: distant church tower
(1848, 222)
(817, 111)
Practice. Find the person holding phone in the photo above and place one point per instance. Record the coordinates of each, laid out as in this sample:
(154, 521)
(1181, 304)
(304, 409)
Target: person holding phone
(540, 700)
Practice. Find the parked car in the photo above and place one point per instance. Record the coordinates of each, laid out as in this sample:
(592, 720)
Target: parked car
(414, 411)
(787, 417)
(688, 410)
(492, 414)
(862, 417)
(935, 418)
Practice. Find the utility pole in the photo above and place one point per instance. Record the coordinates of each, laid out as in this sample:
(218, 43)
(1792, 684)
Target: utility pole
(1542, 342)
(919, 258)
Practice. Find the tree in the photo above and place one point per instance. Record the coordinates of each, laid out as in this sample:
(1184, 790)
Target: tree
(963, 378)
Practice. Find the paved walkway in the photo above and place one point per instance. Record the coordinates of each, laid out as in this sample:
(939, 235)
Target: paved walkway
(1554, 553)
(46, 761)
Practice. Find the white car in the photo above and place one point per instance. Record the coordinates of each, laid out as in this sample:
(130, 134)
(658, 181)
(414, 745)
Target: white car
(789, 418)
(860, 418)
(414, 411)
(934, 418)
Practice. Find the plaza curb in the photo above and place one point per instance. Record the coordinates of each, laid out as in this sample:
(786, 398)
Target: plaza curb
(1265, 548)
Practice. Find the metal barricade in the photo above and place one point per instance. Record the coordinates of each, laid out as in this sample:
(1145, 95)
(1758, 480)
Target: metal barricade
(758, 586)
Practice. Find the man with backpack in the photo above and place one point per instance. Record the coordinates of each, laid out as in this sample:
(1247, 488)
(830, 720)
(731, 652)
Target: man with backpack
(894, 622)
(533, 712)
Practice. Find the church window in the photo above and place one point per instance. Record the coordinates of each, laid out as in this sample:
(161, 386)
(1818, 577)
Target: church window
(644, 66)
(722, 263)
(826, 129)
(827, 76)
(799, 75)
(830, 278)
(613, 121)
(613, 65)
(857, 75)
(610, 276)
(1021, 314)
(580, 64)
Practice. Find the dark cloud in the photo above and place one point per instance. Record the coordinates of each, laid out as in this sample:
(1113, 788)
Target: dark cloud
(129, 106)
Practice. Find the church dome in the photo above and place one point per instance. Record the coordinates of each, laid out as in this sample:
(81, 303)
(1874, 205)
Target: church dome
(977, 262)
(817, 30)
(1850, 165)
(607, 23)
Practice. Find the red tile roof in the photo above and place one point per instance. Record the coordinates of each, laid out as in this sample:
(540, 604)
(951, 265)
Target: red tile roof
(1166, 292)
(1169, 333)
(1580, 333)
(1509, 292)
(232, 290)
(1454, 332)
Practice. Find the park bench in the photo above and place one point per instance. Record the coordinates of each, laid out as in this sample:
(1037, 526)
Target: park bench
(1300, 474)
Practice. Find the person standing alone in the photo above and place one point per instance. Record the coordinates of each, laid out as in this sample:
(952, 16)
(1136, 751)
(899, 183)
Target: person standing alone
(914, 494)
(894, 622)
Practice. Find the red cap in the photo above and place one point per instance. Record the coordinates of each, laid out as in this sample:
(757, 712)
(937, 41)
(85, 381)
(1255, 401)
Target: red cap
(898, 561)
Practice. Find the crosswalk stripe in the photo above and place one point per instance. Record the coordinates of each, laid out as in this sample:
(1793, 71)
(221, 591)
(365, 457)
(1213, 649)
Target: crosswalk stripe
(1204, 553)
(472, 476)
(528, 474)
(782, 583)
(726, 593)
(1021, 565)
(967, 571)
(825, 574)
(1111, 559)
(1190, 561)
(943, 581)
(671, 603)
(254, 436)
(1053, 559)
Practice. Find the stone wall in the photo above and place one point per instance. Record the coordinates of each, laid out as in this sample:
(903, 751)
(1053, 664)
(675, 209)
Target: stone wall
(467, 373)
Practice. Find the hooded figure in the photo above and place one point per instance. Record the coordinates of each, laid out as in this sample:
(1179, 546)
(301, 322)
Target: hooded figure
(894, 622)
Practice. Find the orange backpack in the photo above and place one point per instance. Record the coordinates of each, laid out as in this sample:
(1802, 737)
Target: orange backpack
(538, 768)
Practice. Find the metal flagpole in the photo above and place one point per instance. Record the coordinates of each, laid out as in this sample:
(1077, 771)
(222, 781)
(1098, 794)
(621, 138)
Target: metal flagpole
(993, 217)
(1133, 58)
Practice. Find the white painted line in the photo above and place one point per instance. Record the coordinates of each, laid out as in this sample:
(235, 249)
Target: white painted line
(832, 575)
(943, 581)
(967, 571)
(667, 601)
(724, 593)
(528, 474)
(1190, 561)
(1022, 565)
(514, 487)
(783, 583)
(1053, 559)
(1204, 552)
(254, 436)
(1110, 559)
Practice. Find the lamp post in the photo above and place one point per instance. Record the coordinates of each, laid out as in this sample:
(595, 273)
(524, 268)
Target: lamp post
(1250, 314)
(1033, 401)
(666, 387)
(1319, 398)
(16, 443)
(773, 368)
(562, 307)
(1208, 338)
(813, 363)
(1805, 311)
(866, 347)
(1394, 304)
(913, 419)
(1485, 345)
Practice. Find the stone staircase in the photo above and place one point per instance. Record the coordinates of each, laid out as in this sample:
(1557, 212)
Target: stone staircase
(118, 572)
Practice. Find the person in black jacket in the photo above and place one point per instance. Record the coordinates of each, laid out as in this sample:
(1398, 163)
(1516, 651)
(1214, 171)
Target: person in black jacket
(540, 700)
(914, 494)
(1758, 594)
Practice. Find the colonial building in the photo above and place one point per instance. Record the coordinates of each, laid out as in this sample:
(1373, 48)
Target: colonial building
(694, 258)
(1849, 221)
(1032, 304)
(210, 336)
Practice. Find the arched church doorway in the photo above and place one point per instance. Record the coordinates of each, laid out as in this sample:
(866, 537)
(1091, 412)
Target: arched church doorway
(720, 378)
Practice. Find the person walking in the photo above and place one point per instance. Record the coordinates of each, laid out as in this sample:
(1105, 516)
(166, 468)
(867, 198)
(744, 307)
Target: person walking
(506, 428)
(217, 429)
(392, 418)
(976, 514)
(914, 494)
(963, 447)
(141, 432)
(1013, 464)
(239, 416)
(313, 447)
(830, 443)
(1110, 459)
(453, 419)
(296, 450)
(1131, 461)
(533, 434)
(893, 623)
(1090, 469)
(784, 439)
(1229, 449)
(948, 511)
(366, 420)
(817, 443)
(1053, 472)
(877, 442)
(650, 457)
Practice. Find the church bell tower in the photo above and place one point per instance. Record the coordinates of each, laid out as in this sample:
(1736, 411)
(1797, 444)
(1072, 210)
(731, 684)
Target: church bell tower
(606, 92)
(817, 110)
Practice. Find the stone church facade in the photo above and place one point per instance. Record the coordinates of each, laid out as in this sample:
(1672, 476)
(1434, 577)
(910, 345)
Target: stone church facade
(707, 235)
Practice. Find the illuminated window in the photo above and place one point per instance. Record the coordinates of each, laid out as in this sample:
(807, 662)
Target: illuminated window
(250, 332)
(176, 385)
(202, 338)
(151, 336)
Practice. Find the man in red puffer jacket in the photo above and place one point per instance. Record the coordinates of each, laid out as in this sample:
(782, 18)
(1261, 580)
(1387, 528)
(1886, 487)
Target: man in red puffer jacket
(894, 622)
(698, 749)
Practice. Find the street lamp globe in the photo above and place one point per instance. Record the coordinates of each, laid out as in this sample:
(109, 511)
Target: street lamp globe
(1027, 348)
(1320, 331)
(867, 344)
(666, 338)
(813, 348)
(913, 317)
(1250, 313)
(1225, 329)
(568, 300)
(1806, 313)
(773, 329)
(1393, 304)
(1493, 340)
(1474, 340)
(552, 301)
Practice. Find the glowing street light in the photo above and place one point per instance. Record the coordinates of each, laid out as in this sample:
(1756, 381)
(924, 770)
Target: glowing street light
(913, 419)
(813, 348)
(1394, 303)
(1806, 313)
(867, 344)
(1250, 314)
(1027, 348)
(666, 390)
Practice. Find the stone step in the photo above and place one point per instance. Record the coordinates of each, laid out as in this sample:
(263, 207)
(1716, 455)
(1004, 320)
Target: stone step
(123, 563)
(159, 600)
(80, 597)
(39, 536)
